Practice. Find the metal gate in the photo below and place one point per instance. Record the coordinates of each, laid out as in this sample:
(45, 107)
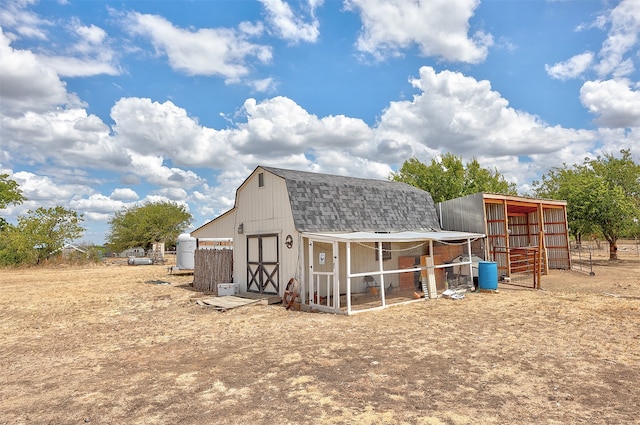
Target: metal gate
(524, 265)
(263, 266)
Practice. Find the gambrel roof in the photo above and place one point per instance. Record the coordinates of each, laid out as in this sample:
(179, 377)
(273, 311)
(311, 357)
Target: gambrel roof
(330, 203)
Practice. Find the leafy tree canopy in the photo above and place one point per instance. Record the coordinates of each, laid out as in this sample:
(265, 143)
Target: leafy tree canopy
(602, 194)
(450, 178)
(39, 234)
(10, 193)
(145, 224)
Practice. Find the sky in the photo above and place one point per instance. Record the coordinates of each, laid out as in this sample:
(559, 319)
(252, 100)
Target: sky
(105, 105)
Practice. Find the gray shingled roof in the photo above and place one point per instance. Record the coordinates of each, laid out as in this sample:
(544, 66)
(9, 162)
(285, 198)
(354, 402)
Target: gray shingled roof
(328, 203)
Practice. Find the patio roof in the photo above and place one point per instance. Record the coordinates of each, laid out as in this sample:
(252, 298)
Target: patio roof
(440, 235)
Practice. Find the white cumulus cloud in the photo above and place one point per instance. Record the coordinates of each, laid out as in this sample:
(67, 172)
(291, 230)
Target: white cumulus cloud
(91, 54)
(616, 103)
(27, 84)
(437, 28)
(208, 51)
(571, 68)
(97, 203)
(616, 55)
(124, 194)
(462, 115)
(623, 37)
(290, 26)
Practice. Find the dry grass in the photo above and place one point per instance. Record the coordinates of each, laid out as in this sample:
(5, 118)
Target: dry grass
(100, 345)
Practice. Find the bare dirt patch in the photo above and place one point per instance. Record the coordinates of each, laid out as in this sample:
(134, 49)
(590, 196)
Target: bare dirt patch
(101, 345)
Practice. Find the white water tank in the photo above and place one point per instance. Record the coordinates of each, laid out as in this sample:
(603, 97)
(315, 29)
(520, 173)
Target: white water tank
(185, 252)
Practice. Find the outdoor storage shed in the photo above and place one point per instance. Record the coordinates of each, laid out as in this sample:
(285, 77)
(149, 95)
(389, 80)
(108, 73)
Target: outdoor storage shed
(516, 227)
(350, 242)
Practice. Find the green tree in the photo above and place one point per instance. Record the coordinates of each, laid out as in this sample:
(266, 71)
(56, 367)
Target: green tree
(14, 247)
(602, 194)
(450, 178)
(10, 194)
(39, 234)
(143, 225)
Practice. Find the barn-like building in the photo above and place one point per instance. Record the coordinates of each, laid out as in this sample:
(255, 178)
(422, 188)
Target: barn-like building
(353, 244)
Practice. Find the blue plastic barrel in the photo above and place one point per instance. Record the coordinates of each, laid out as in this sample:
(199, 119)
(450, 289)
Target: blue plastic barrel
(487, 275)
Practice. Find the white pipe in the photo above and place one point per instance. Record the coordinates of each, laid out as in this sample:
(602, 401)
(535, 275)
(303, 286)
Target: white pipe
(470, 262)
(381, 266)
(348, 277)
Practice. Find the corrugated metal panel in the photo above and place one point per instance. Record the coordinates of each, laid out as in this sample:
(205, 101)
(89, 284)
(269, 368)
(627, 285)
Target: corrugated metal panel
(556, 238)
(534, 228)
(496, 223)
(518, 231)
(462, 214)
(557, 258)
(495, 211)
(497, 235)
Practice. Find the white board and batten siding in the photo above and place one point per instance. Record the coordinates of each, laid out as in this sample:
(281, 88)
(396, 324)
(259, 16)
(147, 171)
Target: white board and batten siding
(263, 208)
(221, 227)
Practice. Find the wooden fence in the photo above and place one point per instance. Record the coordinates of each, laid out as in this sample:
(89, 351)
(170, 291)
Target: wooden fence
(212, 266)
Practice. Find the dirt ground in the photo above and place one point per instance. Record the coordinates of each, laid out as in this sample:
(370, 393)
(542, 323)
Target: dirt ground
(102, 345)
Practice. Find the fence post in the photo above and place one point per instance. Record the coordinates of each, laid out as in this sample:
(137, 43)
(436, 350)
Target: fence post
(536, 269)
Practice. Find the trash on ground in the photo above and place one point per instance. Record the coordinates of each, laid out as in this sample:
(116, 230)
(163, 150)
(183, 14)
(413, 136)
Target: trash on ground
(227, 302)
(158, 282)
(450, 293)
